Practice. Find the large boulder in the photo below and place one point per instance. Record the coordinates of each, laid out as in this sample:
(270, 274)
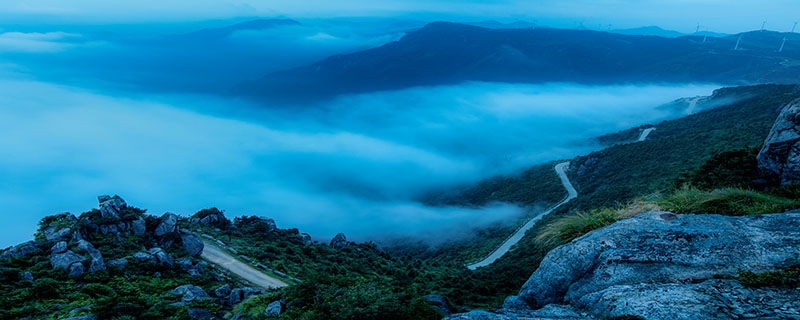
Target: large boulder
(110, 207)
(190, 293)
(138, 227)
(20, 250)
(274, 309)
(63, 260)
(659, 265)
(439, 303)
(192, 243)
(780, 155)
(168, 224)
(162, 256)
(97, 263)
(339, 241)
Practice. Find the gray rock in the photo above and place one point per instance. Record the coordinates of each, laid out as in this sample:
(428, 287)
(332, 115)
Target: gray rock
(339, 241)
(65, 259)
(76, 270)
(439, 303)
(271, 226)
(88, 317)
(274, 309)
(109, 229)
(143, 256)
(118, 263)
(138, 227)
(550, 312)
(26, 276)
(51, 234)
(223, 291)
(162, 256)
(59, 247)
(241, 294)
(190, 293)
(110, 206)
(168, 224)
(306, 239)
(192, 243)
(780, 155)
(19, 251)
(97, 263)
(197, 313)
(663, 248)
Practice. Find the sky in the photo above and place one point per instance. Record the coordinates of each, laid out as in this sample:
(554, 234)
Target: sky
(681, 15)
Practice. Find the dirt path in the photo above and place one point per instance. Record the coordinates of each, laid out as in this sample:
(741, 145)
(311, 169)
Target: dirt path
(216, 255)
(517, 236)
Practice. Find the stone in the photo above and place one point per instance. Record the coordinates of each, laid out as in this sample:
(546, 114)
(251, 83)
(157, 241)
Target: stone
(306, 239)
(110, 207)
(143, 257)
(439, 303)
(241, 294)
(190, 293)
(780, 155)
(274, 309)
(87, 317)
(666, 248)
(162, 256)
(51, 234)
(20, 250)
(118, 263)
(197, 313)
(223, 291)
(97, 263)
(192, 243)
(65, 259)
(660, 265)
(339, 241)
(168, 224)
(76, 270)
(26, 276)
(59, 247)
(138, 227)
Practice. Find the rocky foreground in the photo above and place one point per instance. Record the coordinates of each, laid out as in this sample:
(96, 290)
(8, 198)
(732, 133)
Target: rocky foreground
(660, 265)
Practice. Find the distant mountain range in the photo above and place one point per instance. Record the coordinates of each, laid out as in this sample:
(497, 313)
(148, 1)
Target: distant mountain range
(253, 25)
(658, 31)
(449, 53)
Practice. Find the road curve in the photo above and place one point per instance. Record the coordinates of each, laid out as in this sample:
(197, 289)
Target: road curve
(517, 236)
(216, 255)
(644, 134)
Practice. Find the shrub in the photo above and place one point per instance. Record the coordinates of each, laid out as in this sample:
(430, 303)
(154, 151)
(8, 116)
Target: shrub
(735, 168)
(46, 289)
(789, 277)
(729, 201)
(569, 227)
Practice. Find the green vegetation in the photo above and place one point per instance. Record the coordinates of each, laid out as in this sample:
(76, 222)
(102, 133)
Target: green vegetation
(789, 277)
(734, 168)
(728, 201)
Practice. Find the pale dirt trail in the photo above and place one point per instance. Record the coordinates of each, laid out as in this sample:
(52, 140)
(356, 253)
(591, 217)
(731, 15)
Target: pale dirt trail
(216, 255)
(517, 236)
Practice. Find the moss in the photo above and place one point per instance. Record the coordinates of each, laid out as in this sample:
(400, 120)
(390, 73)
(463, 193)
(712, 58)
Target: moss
(789, 277)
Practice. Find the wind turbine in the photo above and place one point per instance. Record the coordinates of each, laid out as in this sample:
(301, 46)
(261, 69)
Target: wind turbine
(795, 26)
(783, 44)
(763, 25)
(737, 43)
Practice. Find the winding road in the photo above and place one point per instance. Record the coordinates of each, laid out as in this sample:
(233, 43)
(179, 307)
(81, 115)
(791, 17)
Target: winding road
(517, 236)
(216, 255)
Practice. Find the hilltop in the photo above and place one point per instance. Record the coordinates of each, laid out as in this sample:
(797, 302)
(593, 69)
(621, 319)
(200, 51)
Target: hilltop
(449, 53)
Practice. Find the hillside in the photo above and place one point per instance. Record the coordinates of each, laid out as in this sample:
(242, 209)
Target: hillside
(450, 53)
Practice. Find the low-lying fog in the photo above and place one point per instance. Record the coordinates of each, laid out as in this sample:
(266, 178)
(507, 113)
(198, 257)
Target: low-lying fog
(354, 166)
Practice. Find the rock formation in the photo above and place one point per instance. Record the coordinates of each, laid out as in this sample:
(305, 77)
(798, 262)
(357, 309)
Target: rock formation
(780, 155)
(339, 241)
(659, 265)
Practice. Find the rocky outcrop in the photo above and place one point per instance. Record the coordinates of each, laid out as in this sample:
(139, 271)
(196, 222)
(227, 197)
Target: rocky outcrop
(161, 256)
(198, 313)
(20, 250)
(97, 263)
(439, 303)
(780, 155)
(168, 224)
(190, 293)
(274, 309)
(660, 265)
(110, 207)
(339, 241)
(192, 243)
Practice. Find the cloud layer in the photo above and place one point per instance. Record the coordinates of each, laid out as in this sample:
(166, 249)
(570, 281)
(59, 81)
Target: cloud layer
(354, 166)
